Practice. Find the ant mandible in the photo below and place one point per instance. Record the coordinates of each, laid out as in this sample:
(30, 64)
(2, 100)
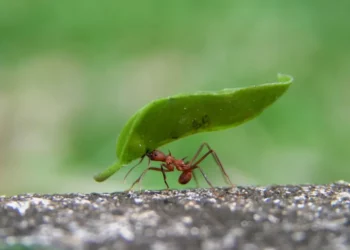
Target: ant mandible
(169, 163)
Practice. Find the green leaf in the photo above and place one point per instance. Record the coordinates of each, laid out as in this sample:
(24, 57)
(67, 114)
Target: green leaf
(168, 119)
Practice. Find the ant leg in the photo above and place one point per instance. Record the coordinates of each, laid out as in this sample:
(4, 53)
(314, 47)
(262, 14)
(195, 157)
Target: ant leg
(206, 178)
(195, 179)
(216, 158)
(163, 170)
(149, 162)
(144, 172)
(164, 176)
(204, 175)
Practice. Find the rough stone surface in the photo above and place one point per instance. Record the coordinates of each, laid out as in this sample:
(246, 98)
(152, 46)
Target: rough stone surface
(273, 217)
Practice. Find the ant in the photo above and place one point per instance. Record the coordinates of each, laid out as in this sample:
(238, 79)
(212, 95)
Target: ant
(169, 163)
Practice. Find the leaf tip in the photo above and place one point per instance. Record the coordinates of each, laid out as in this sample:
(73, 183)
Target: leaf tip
(108, 172)
(284, 78)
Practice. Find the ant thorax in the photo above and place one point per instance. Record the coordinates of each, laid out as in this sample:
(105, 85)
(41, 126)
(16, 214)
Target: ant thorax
(169, 160)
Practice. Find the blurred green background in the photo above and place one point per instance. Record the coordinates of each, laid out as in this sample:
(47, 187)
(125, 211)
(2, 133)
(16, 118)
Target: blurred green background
(73, 72)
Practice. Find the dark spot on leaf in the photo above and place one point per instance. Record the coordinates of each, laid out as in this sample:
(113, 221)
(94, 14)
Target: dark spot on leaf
(196, 124)
(174, 135)
(205, 121)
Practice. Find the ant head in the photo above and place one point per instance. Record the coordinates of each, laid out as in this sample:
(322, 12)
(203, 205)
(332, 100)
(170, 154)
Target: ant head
(156, 155)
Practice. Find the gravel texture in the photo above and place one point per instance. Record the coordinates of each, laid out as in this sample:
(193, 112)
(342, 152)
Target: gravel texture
(272, 217)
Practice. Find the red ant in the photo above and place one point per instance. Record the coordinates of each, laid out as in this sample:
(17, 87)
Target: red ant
(170, 163)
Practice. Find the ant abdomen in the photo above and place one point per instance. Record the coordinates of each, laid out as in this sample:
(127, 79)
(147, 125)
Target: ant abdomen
(185, 177)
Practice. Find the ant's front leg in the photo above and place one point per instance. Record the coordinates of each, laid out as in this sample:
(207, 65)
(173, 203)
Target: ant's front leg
(138, 180)
(131, 169)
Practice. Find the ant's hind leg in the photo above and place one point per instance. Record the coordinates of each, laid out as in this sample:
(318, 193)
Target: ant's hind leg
(206, 179)
(216, 158)
(195, 179)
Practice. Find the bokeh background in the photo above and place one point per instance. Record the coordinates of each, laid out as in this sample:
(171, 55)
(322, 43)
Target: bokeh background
(73, 72)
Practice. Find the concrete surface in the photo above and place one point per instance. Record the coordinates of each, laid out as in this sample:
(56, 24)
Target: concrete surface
(273, 217)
